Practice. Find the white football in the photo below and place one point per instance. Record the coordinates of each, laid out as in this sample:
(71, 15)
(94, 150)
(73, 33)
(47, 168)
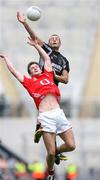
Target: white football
(33, 13)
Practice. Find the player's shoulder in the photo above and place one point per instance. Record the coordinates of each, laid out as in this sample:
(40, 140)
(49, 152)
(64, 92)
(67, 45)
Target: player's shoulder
(46, 72)
(27, 78)
(46, 46)
(63, 57)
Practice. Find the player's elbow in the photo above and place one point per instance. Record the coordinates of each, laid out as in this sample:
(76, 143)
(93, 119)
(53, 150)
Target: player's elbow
(65, 81)
(48, 61)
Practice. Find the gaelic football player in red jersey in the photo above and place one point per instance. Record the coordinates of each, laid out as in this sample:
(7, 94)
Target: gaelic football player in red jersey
(46, 95)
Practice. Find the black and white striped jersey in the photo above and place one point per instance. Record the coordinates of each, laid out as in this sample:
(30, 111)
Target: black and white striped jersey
(59, 62)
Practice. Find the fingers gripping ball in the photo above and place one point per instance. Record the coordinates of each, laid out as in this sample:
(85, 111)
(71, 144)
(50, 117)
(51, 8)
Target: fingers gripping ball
(33, 13)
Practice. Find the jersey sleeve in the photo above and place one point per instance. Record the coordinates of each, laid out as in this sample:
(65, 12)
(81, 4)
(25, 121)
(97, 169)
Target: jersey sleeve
(26, 81)
(66, 65)
(47, 48)
(50, 73)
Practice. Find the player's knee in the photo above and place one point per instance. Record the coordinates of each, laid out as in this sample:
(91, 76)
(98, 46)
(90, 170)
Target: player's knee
(51, 152)
(70, 146)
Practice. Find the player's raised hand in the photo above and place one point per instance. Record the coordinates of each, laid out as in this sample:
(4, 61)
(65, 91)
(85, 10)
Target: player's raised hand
(3, 57)
(21, 18)
(32, 42)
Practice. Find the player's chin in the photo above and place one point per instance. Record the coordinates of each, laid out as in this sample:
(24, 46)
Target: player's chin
(37, 73)
(55, 46)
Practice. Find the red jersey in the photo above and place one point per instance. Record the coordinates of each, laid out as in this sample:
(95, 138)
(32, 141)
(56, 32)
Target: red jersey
(39, 86)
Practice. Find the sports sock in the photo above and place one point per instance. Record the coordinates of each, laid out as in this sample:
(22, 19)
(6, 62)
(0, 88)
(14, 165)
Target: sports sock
(51, 172)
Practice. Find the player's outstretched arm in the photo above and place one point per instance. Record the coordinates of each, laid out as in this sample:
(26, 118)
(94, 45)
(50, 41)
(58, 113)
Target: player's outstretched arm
(43, 54)
(11, 68)
(22, 19)
(64, 78)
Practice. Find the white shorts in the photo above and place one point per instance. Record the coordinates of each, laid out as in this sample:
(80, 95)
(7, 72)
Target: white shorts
(54, 121)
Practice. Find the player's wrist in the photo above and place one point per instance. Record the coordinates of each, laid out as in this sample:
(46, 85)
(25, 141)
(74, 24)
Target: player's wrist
(24, 22)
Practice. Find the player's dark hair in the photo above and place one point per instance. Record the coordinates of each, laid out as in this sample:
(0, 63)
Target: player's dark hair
(55, 35)
(30, 64)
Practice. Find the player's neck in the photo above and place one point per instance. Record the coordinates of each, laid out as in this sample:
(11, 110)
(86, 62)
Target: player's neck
(55, 49)
(37, 75)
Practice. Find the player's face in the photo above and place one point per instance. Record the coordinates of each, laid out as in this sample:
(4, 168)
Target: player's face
(35, 70)
(54, 41)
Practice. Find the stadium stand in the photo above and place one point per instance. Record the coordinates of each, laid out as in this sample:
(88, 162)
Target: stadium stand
(10, 154)
(91, 91)
(10, 97)
(2, 100)
(75, 21)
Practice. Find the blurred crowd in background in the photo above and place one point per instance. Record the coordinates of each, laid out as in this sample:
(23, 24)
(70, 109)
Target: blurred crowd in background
(78, 23)
(11, 169)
